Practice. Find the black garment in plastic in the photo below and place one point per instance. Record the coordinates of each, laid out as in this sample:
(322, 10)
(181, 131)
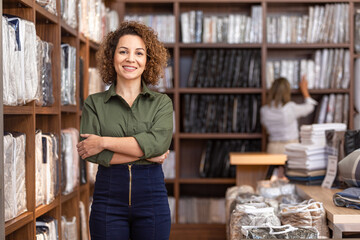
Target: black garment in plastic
(352, 141)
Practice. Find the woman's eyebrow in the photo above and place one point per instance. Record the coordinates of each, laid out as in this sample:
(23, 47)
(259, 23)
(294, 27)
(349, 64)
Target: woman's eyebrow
(135, 49)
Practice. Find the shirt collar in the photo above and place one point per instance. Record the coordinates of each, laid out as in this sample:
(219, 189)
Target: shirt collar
(112, 92)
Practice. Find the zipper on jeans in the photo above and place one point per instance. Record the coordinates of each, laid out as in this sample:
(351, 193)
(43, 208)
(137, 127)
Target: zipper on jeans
(130, 179)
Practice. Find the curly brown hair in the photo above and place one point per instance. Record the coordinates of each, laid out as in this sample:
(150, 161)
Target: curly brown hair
(157, 54)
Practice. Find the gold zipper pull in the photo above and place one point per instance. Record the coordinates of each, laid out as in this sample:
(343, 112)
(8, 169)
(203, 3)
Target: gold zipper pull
(130, 180)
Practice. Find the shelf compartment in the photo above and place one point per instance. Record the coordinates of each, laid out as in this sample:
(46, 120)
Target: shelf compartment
(207, 181)
(42, 209)
(219, 45)
(18, 110)
(18, 222)
(42, 15)
(307, 45)
(67, 29)
(220, 135)
(220, 90)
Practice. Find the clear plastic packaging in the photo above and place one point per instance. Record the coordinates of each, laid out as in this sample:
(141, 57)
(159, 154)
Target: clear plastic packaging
(278, 232)
(308, 213)
(247, 215)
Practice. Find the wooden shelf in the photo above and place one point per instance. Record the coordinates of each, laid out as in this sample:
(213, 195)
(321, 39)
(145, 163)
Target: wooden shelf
(18, 222)
(207, 181)
(67, 30)
(197, 231)
(42, 209)
(17, 3)
(220, 135)
(82, 38)
(220, 90)
(65, 198)
(218, 45)
(47, 110)
(94, 45)
(18, 110)
(322, 91)
(42, 15)
(69, 108)
(307, 45)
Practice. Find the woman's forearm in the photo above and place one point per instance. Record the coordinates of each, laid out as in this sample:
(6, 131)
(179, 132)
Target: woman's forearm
(119, 158)
(123, 145)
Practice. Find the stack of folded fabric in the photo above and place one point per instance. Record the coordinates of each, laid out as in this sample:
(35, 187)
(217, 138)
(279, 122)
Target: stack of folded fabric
(306, 164)
(307, 161)
(315, 133)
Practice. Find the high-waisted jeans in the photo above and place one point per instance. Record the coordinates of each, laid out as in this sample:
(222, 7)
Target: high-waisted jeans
(130, 202)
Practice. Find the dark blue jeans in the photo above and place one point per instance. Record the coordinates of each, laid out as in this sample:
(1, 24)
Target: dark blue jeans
(130, 203)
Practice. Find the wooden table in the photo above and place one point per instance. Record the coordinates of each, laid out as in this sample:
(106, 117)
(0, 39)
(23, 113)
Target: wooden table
(340, 219)
(252, 167)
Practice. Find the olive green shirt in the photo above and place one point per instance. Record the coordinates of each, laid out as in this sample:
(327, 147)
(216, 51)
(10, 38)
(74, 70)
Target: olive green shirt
(149, 120)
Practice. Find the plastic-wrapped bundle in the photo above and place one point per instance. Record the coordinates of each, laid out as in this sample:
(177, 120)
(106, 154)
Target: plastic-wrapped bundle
(357, 31)
(49, 5)
(83, 221)
(48, 226)
(95, 83)
(9, 191)
(308, 213)
(230, 197)
(50, 145)
(247, 215)
(39, 189)
(44, 66)
(68, 74)
(25, 52)
(9, 84)
(92, 170)
(70, 159)
(15, 188)
(279, 232)
(69, 228)
(273, 189)
(16, 64)
(68, 12)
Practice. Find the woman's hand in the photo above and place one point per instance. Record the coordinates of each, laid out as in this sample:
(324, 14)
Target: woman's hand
(160, 159)
(90, 146)
(304, 87)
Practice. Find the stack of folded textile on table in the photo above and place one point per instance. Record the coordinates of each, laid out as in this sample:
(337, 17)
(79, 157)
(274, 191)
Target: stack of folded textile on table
(307, 161)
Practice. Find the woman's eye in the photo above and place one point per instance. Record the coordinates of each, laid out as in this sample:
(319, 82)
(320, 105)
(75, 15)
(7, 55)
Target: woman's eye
(139, 53)
(123, 52)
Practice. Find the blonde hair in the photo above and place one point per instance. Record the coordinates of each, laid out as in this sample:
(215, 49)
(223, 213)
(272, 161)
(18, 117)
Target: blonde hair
(279, 93)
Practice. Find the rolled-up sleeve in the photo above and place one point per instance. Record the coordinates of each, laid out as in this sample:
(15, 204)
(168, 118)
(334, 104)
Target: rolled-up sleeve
(157, 139)
(90, 125)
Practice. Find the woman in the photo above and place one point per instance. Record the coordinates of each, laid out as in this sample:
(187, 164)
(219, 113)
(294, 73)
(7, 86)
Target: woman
(127, 130)
(280, 115)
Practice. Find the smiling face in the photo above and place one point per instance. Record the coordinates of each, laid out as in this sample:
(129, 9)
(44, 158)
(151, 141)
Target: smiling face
(130, 58)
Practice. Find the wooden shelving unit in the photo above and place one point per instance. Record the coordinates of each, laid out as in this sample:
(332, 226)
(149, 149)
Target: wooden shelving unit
(28, 118)
(187, 146)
